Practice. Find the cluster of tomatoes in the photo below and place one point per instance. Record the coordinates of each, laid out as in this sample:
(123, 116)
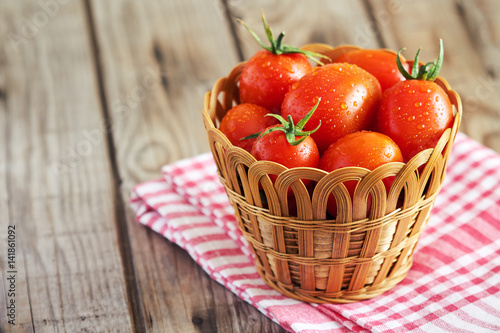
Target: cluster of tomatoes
(364, 108)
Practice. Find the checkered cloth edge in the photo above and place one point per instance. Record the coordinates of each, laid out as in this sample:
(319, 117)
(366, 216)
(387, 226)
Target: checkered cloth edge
(453, 286)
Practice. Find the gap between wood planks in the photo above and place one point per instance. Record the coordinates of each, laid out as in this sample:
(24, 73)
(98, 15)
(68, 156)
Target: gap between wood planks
(132, 289)
(371, 15)
(234, 33)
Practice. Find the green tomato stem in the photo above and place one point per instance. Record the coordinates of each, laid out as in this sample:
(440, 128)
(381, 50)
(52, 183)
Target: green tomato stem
(427, 72)
(277, 47)
(401, 68)
(414, 70)
(438, 64)
(288, 127)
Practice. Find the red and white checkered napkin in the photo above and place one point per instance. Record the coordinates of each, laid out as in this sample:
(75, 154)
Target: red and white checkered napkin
(454, 284)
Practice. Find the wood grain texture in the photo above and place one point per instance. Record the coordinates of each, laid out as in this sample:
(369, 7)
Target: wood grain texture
(23, 315)
(56, 176)
(482, 24)
(155, 73)
(480, 18)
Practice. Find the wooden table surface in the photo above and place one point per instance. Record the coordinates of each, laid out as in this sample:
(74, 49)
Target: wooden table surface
(95, 96)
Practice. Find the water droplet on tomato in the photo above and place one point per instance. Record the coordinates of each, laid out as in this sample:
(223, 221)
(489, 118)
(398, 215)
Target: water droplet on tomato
(418, 104)
(355, 103)
(420, 126)
(411, 118)
(343, 105)
(437, 98)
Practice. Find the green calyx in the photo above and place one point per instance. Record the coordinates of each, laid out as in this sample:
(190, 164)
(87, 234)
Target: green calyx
(277, 47)
(427, 72)
(289, 128)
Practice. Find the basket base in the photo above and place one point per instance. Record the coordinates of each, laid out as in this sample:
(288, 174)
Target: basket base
(343, 296)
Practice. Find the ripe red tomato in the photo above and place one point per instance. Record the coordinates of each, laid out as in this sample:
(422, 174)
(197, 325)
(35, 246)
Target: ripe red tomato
(267, 77)
(364, 149)
(244, 120)
(379, 63)
(274, 146)
(288, 145)
(270, 73)
(349, 100)
(416, 112)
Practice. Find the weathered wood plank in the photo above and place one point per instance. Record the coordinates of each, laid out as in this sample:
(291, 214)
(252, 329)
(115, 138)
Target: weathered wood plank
(466, 67)
(56, 177)
(481, 21)
(14, 296)
(158, 60)
(483, 26)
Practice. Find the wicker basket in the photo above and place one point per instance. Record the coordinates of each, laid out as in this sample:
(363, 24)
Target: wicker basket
(357, 256)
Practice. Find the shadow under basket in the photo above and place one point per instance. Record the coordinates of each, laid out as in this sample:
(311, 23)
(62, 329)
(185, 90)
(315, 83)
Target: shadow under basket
(362, 252)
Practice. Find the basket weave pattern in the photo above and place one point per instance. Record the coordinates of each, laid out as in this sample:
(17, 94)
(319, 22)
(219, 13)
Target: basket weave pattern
(359, 255)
